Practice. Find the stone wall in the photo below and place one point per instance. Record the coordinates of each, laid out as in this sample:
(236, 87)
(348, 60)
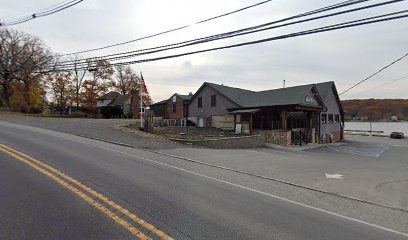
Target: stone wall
(280, 137)
(228, 142)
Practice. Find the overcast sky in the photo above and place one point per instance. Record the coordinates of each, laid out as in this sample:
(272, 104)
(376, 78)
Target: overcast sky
(344, 56)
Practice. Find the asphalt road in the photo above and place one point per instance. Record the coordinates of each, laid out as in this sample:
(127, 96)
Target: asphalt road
(184, 204)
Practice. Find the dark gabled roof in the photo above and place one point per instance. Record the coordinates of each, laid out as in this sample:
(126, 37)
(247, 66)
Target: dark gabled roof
(184, 97)
(233, 94)
(275, 97)
(161, 102)
(110, 95)
(278, 97)
(324, 89)
(120, 100)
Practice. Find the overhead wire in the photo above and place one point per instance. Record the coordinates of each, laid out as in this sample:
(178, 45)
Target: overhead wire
(243, 30)
(121, 56)
(167, 31)
(371, 20)
(375, 73)
(381, 85)
(48, 11)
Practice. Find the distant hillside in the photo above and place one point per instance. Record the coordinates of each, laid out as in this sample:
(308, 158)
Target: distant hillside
(380, 109)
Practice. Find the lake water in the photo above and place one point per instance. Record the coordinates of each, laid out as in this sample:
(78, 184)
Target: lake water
(387, 127)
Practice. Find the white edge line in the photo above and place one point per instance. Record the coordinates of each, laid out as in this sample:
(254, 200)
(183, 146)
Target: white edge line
(249, 189)
(263, 193)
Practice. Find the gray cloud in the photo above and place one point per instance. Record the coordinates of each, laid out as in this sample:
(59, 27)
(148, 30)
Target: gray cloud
(344, 56)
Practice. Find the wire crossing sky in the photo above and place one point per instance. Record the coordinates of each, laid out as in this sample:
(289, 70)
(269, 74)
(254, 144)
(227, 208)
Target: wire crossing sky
(262, 27)
(377, 72)
(46, 12)
(206, 52)
(170, 30)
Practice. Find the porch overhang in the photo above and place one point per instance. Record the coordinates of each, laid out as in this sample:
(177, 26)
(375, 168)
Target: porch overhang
(241, 111)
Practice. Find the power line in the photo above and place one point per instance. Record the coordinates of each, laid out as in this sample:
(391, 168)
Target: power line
(121, 56)
(377, 72)
(381, 85)
(48, 11)
(371, 20)
(168, 31)
(231, 33)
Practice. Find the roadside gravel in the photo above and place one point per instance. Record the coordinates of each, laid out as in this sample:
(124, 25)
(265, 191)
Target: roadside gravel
(109, 129)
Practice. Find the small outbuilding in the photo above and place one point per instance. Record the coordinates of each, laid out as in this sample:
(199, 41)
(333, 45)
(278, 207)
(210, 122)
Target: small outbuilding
(175, 107)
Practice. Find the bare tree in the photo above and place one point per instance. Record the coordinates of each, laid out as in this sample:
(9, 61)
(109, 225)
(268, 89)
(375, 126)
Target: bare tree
(126, 79)
(78, 77)
(62, 88)
(23, 58)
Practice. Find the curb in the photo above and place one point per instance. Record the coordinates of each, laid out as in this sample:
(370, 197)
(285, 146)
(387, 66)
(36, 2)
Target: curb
(244, 172)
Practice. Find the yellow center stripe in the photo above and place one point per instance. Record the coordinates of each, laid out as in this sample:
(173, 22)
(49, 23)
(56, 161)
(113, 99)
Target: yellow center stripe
(30, 161)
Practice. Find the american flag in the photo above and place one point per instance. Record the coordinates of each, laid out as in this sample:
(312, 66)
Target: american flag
(142, 82)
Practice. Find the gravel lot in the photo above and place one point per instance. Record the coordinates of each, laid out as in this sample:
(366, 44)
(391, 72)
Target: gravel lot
(95, 128)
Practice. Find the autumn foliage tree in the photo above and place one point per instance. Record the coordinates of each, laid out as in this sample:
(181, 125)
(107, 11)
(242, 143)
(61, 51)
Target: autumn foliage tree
(98, 83)
(23, 59)
(126, 81)
(62, 89)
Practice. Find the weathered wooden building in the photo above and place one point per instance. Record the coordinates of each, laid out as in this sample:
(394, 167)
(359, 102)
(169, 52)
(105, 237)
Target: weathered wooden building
(282, 113)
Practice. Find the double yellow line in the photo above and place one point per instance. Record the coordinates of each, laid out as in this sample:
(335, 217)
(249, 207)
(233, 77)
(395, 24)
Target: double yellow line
(103, 204)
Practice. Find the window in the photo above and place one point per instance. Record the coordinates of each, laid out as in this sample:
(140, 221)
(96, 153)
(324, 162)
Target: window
(330, 118)
(213, 100)
(200, 102)
(337, 118)
(174, 108)
(324, 118)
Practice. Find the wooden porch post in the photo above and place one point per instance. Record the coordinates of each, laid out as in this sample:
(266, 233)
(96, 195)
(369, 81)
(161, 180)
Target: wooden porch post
(284, 117)
(250, 121)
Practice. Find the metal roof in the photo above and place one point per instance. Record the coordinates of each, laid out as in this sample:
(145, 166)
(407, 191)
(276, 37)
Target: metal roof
(233, 94)
(275, 97)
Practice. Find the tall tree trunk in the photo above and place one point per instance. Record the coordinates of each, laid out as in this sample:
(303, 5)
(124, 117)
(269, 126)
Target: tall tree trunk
(77, 97)
(27, 95)
(6, 94)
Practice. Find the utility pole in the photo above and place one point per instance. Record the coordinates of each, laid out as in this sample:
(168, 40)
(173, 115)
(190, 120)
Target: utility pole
(141, 102)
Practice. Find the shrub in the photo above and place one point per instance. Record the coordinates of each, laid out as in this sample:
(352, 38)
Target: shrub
(78, 115)
(110, 111)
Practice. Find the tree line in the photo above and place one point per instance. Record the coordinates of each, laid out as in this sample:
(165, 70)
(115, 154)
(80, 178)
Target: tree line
(26, 85)
(376, 109)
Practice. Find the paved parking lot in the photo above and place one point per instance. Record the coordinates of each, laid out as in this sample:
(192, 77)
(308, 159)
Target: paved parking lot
(371, 169)
(374, 169)
(360, 148)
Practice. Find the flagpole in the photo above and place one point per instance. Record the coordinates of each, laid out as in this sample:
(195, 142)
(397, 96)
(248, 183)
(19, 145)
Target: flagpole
(141, 101)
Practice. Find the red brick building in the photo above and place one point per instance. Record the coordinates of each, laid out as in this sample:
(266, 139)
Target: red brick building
(176, 107)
